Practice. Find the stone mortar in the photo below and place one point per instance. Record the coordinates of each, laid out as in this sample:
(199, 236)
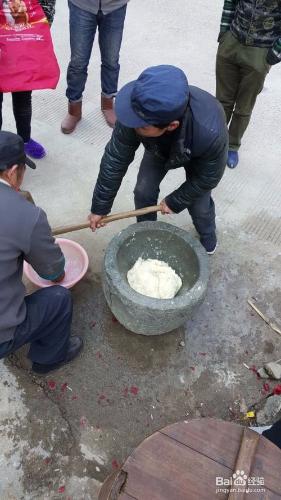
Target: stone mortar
(156, 240)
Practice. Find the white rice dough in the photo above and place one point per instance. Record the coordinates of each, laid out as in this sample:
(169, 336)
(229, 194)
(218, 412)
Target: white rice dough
(154, 278)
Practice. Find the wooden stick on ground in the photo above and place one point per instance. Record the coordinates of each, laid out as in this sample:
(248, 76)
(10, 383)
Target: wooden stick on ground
(274, 327)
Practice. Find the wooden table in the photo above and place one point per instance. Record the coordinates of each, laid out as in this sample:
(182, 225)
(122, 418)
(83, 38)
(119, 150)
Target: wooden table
(192, 460)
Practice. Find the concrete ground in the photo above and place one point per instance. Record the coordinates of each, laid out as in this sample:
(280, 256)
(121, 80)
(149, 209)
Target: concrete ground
(62, 434)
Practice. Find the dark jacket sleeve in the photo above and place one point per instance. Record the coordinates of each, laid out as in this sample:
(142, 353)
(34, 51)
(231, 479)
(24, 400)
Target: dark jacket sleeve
(274, 53)
(227, 17)
(49, 9)
(119, 153)
(203, 175)
(44, 255)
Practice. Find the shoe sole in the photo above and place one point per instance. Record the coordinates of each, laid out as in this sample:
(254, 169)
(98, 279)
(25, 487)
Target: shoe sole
(213, 251)
(66, 132)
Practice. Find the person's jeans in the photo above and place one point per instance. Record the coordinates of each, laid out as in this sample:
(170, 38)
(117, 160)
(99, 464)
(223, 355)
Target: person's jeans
(46, 326)
(83, 26)
(22, 109)
(146, 192)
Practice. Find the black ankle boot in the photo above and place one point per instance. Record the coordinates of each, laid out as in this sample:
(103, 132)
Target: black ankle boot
(74, 348)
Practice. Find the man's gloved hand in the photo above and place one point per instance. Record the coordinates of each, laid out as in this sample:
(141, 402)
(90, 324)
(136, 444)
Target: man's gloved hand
(165, 209)
(95, 221)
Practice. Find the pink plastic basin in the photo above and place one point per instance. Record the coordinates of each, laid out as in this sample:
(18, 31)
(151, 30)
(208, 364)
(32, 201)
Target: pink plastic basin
(76, 265)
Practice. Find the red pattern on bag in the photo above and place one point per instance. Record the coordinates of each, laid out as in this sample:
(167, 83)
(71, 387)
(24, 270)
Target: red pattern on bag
(27, 58)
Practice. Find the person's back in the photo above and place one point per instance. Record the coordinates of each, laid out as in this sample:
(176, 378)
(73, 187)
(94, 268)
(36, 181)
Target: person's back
(20, 223)
(14, 240)
(258, 24)
(43, 318)
(208, 121)
(202, 133)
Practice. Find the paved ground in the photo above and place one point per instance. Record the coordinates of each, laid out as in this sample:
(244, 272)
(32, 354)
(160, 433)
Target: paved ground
(62, 434)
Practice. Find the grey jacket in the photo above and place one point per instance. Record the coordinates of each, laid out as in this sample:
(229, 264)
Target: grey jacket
(24, 235)
(106, 6)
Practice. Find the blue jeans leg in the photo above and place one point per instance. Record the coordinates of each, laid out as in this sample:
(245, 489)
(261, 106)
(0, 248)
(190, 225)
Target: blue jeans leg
(110, 39)
(83, 26)
(202, 212)
(46, 326)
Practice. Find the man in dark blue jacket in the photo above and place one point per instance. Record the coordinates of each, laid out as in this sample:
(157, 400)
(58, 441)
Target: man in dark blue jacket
(179, 126)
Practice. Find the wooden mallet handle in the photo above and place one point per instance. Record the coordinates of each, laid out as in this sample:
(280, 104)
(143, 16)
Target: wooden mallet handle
(105, 220)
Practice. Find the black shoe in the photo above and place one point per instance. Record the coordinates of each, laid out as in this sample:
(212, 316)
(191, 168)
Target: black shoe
(209, 243)
(74, 348)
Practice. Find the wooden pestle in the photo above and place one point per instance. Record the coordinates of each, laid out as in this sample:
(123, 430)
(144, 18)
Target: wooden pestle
(105, 220)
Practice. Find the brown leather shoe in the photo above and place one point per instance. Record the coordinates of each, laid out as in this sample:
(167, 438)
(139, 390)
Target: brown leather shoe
(73, 116)
(108, 110)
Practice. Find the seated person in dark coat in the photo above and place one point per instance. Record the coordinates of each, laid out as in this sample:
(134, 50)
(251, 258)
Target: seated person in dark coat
(43, 318)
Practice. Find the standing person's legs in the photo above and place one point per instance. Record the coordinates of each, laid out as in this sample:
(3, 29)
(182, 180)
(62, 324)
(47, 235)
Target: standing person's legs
(202, 212)
(22, 108)
(110, 38)
(228, 78)
(146, 192)
(253, 70)
(227, 75)
(47, 328)
(82, 25)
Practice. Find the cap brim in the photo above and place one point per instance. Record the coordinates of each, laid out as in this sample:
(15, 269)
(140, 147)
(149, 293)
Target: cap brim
(123, 108)
(29, 163)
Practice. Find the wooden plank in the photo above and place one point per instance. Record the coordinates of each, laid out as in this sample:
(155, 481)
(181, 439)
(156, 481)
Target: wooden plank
(164, 469)
(209, 437)
(124, 496)
(210, 440)
(245, 458)
(183, 461)
(112, 485)
(265, 495)
(267, 464)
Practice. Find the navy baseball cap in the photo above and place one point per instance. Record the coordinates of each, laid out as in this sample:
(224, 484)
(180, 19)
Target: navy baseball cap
(159, 96)
(12, 151)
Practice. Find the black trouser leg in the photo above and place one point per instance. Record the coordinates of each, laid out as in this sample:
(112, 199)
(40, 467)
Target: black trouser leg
(46, 326)
(22, 112)
(146, 192)
(202, 212)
